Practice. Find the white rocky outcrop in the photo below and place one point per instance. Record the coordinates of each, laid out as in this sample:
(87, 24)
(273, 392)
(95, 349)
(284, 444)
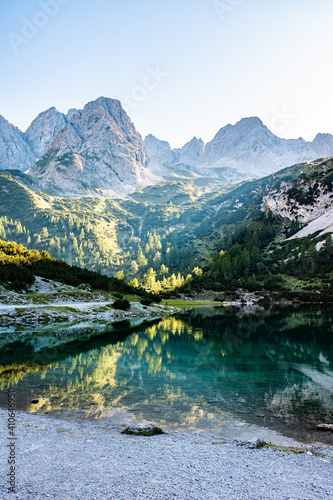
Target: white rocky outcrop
(309, 200)
(324, 224)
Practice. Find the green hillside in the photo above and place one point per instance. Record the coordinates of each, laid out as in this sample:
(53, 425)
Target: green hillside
(19, 266)
(165, 234)
(103, 234)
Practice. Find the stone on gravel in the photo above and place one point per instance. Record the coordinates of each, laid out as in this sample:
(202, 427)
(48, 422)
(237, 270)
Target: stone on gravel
(325, 427)
(254, 443)
(146, 430)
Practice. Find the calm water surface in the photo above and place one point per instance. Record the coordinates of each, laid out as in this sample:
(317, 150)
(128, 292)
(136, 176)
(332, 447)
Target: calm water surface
(206, 369)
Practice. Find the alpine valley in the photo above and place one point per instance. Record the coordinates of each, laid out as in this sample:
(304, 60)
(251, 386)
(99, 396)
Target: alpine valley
(248, 211)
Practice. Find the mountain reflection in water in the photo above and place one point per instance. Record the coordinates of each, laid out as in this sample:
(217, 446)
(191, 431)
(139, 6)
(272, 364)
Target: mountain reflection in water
(200, 369)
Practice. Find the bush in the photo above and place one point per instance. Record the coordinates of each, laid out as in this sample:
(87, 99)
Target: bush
(122, 304)
(254, 286)
(146, 302)
(117, 295)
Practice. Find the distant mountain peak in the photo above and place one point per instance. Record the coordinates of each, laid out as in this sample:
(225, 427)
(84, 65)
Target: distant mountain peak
(323, 136)
(106, 103)
(98, 149)
(195, 140)
(249, 147)
(44, 129)
(70, 113)
(15, 153)
(52, 109)
(251, 121)
(159, 151)
(153, 139)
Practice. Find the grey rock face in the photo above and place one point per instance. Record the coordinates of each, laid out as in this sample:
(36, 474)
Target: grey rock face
(323, 145)
(71, 112)
(193, 153)
(43, 130)
(251, 146)
(15, 153)
(98, 149)
(160, 151)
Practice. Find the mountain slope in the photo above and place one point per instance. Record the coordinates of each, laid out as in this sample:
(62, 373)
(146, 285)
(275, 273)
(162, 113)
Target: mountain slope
(253, 221)
(305, 197)
(18, 201)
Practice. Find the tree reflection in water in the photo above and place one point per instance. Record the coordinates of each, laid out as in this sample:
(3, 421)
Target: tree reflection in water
(202, 368)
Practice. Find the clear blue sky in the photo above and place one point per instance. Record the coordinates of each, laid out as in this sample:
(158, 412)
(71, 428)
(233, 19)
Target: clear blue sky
(217, 63)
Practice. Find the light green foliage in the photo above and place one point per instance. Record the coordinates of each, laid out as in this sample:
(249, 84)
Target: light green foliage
(120, 276)
(225, 231)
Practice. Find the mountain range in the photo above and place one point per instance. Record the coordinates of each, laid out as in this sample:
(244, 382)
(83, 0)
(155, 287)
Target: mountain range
(248, 147)
(98, 151)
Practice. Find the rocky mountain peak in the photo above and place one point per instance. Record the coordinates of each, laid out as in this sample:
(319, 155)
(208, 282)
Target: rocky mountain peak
(250, 122)
(15, 153)
(159, 151)
(44, 129)
(98, 149)
(70, 113)
(193, 153)
(323, 144)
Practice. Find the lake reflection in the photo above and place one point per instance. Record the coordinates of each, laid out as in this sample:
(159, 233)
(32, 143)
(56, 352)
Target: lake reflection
(201, 369)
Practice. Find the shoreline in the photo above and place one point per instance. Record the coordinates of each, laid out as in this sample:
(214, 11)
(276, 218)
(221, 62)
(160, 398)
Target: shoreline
(51, 302)
(233, 429)
(64, 459)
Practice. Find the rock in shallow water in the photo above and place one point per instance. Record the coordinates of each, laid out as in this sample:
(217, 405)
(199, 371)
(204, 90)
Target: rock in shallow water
(145, 430)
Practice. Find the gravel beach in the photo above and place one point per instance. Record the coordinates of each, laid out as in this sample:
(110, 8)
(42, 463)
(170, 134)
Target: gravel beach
(66, 459)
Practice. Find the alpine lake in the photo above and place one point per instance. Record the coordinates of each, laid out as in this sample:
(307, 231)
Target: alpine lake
(232, 372)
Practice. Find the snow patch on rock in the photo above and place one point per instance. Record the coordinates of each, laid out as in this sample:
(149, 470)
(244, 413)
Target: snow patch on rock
(324, 223)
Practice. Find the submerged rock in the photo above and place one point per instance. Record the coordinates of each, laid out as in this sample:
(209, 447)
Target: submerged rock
(146, 430)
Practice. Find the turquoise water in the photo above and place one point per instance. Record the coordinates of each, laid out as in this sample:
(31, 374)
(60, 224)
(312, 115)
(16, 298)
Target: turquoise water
(206, 369)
